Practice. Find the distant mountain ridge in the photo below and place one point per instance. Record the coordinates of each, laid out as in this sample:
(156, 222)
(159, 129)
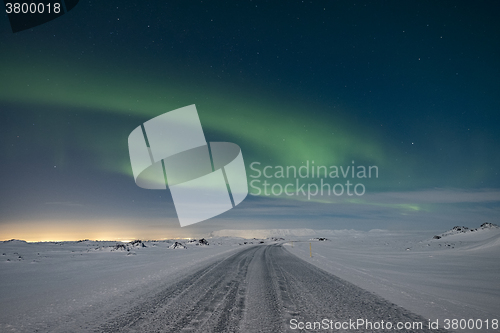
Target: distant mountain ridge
(268, 233)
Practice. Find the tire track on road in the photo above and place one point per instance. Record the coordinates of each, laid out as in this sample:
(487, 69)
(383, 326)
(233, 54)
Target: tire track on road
(259, 289)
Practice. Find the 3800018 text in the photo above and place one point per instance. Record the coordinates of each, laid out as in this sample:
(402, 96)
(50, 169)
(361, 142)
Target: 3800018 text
(32, 8)
(462, 324)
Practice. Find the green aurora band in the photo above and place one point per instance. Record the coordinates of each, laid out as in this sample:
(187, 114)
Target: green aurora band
(270, 128)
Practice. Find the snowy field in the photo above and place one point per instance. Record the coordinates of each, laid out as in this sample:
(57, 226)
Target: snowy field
(454, 276)
(42, 282)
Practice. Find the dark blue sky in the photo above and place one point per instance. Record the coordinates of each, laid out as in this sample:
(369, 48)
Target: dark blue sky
(409, 87)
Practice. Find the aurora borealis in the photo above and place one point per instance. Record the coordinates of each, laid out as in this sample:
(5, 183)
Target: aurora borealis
(410, 88)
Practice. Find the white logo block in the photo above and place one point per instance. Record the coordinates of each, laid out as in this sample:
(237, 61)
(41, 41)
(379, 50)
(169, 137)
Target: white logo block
(205, 179)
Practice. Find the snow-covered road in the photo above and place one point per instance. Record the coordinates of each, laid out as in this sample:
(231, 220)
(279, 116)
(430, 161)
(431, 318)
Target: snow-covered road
(230, 284)
(259, 289)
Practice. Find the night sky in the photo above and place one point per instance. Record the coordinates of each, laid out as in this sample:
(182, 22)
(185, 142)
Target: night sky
(411, 87)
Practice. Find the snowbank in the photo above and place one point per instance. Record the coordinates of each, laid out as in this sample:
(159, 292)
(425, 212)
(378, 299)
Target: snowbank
(455, 276)
(41, 282)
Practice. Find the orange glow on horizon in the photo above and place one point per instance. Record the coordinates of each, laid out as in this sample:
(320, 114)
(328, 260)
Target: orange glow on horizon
(67, 230)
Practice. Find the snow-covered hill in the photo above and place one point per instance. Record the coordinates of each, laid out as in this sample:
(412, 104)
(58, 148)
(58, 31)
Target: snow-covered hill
(461, 230)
